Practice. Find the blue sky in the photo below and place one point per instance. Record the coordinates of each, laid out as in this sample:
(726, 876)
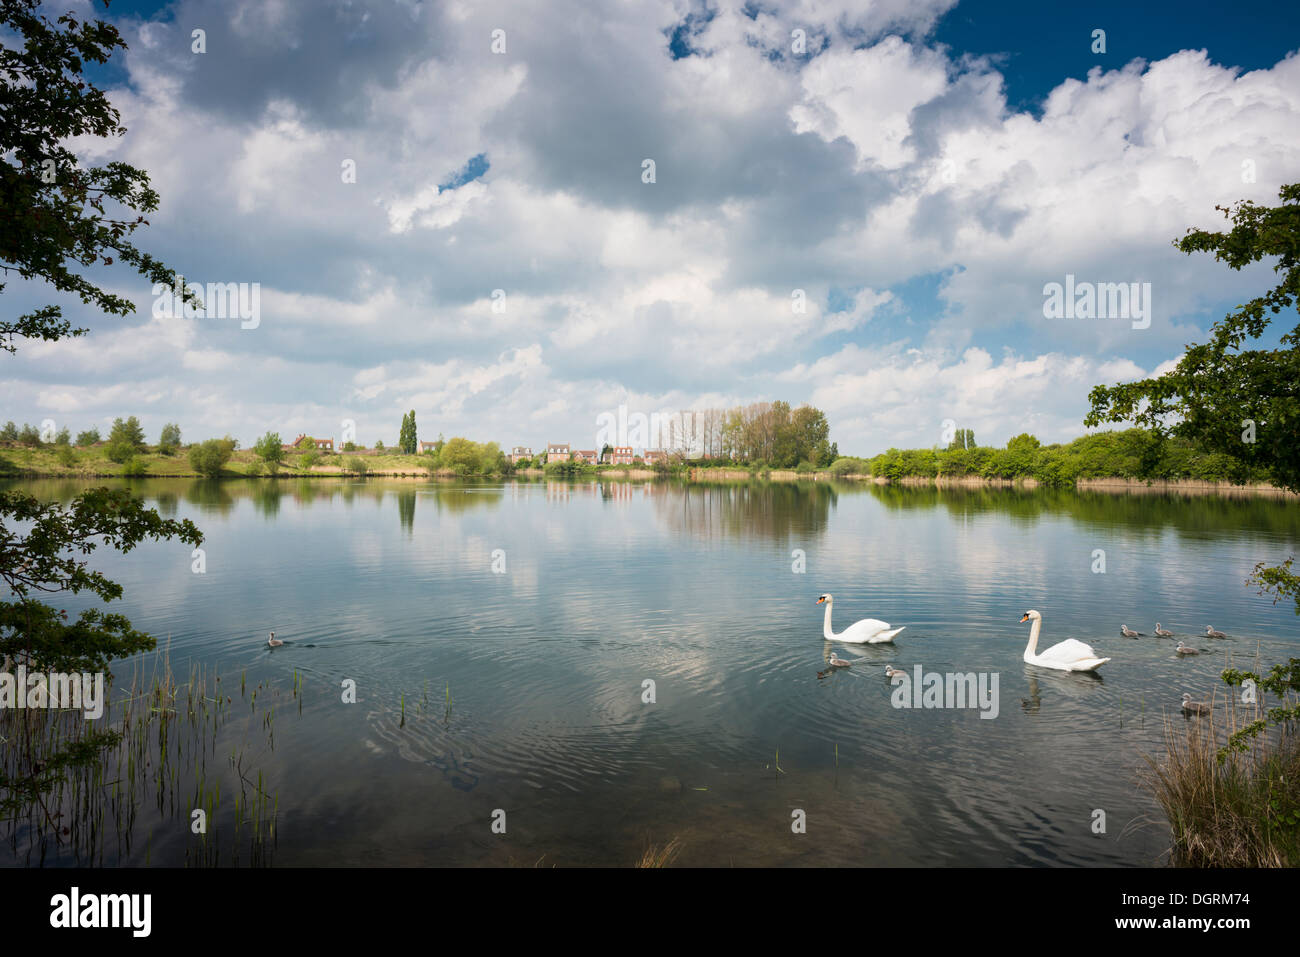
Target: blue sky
(914, 177)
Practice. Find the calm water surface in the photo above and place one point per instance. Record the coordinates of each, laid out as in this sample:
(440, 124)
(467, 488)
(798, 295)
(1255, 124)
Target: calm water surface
(608, 584)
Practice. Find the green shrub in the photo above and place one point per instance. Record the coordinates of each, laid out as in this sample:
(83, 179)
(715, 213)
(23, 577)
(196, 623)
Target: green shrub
(210, 457)
(1133, 453)
(125, 439)
(471, 458)
(170, 439)
(270, 450)
(848, 465)
(567, 469)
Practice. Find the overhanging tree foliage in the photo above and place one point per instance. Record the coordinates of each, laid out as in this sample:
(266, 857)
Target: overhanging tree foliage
(49, 558)
(57, 216)
(1243, 403)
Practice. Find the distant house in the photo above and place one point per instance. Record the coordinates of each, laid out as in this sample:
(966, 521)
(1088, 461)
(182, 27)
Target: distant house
(622, 455)
(519, 453)
(323, 445)
(556, 452)
(587, 456)
(652, 456)
(428, 446)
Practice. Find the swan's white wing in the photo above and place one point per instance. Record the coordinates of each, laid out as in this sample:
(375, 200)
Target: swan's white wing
(861, 631)
(1069, 651)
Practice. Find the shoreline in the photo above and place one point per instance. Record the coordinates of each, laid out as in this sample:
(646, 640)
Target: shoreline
(1112, 484)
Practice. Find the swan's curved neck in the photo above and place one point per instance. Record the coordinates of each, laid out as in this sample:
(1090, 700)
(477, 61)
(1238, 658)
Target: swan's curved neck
(826, 625)
(1032, 648)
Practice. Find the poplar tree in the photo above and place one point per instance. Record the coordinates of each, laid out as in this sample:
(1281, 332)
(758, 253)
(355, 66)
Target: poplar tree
(407, 440)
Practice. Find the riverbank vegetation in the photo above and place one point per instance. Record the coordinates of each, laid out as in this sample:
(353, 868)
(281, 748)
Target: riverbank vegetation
(1132, 453)
(773, 435)
(55, 225)
(102, 792)
(1229, 782)
(1236, 802)
(462, 456)
(223, 458)
(1238, 402)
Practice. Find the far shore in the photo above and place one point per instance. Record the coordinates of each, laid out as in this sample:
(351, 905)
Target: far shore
(1110, 484)
(722, 474)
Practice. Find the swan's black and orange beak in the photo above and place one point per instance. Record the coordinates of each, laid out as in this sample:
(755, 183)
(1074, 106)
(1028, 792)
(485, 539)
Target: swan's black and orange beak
(822, 599)
(1024, 619)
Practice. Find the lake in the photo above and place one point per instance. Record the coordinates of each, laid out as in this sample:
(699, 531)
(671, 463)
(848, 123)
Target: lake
(501, 636)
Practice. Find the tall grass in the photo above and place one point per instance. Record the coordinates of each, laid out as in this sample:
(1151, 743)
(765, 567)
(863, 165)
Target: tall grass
(655, 856)
(1228, 809)
(160, 765)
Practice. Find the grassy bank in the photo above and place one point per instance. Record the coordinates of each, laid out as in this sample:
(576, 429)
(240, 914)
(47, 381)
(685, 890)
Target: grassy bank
(54, 461)
(1229, 808)
(50, 461)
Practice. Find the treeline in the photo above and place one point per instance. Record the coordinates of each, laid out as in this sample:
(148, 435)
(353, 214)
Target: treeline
(763, 433)
(770, 433)
(466, 457)
(458, 454)
(126, 445)
(125, 440)
(1133, 453)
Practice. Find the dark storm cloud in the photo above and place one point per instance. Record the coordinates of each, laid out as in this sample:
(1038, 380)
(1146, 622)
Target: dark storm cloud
(320, 55)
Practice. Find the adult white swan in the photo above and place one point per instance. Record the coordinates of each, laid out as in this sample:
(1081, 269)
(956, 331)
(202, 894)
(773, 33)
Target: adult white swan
(868, 631)
(1069, 655)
